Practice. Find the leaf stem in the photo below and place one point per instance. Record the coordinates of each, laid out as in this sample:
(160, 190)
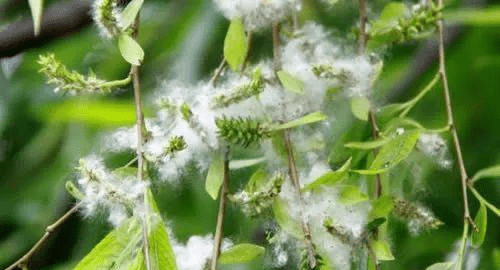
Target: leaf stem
(420, 95)
(218, 72)
(117, 83)
(219, 234)
(451, 122)
(21, 263)
(363, 19)
(483, 200)
(141, 134)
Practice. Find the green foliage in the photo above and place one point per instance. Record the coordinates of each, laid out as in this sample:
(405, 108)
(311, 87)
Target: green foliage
(381, 207)
(235, 45)
(215, 175)
(352, 195)
(329, 178)
(291, 83)
(360, 107)
(130, 50)
(382, 250)
(393, 152)
(175, 144)
(130, 12)
(492, 172)
(241, 253)
(304, 120)
(481, 221)
(238, 164)
(441, 266)
(489, 16)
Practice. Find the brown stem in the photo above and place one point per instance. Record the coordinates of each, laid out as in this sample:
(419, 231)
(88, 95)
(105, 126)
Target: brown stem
(21, 263)
(363, 19)
(219, 234)
(277, 46)
(451, 120)
(141, 135)
(218, 72)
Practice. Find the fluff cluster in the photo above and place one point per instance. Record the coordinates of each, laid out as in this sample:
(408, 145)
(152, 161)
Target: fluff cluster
(196, 252)
(257, 14)
(434, 146)
(120, 197)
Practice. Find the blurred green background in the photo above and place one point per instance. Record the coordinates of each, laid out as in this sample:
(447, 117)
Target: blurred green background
(43, 134)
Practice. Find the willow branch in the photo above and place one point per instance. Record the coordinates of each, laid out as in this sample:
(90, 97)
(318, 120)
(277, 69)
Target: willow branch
(451, 120)
(363, 19)
(48, 231)
(219, 230)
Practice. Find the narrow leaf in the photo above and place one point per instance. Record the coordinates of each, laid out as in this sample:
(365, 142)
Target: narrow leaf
(488, 172)
(256, 180)
(352, 195)
(367, 145)
(36, 7)
(481, 17)
(382, 207)
(360, 107)
(215, 176)
(244, 163)
(117, 249)
(441, 266)
(130, 13)
(242, 253)
(235, 45)
(131, 50)
(329, 178)
(481, 221)
(291, 83)
(382, 250)
(308, 119)
(393, 152)
(161, 255)
(392, 12)
(282, 216)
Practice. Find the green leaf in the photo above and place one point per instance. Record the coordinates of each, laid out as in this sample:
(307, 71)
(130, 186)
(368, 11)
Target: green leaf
(74, 191)
(131, 50)
(92, 112)
(117, 250)
(392, 12)
(329, 178)
(393, 152)
(256, 180)
(282, 216)
(368, 145)
(375, 223)
(496, 258)
(352, 195)
(386, 113)
(291, 83)
(360, 107)
(488, 172)
(481, 220)
(130, 13)
(382, 207)
(241, 253)
(36, 7)
(244, 163)
(161, 255)
(441, 266)
(235, 45)
(308, 119)
(215, 175)
(489, 16)
(382, 250)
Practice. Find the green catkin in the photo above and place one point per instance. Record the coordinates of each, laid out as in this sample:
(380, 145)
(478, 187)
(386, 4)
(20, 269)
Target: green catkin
(241, 131)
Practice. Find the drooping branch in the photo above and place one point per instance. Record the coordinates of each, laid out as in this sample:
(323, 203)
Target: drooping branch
(21, 263)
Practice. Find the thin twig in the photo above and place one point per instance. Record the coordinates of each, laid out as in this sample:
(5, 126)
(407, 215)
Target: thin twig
(141, 134)
(218, 72)
(451, 121)
(219, 230)
(276, 46)
(377, 192)
(48, 231)
(363, 19)
(372, 255)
